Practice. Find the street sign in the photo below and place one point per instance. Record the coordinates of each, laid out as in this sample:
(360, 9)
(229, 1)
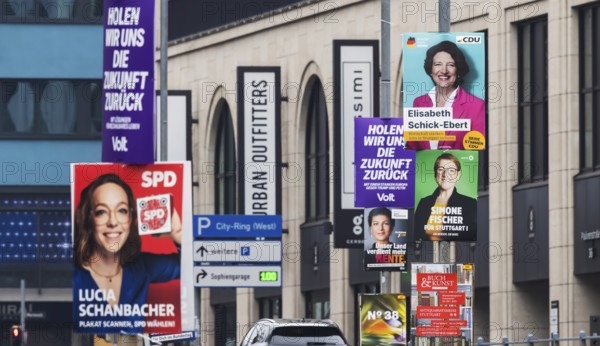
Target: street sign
(237, 251)
(237, 226)
(183, 336)
(237, 276)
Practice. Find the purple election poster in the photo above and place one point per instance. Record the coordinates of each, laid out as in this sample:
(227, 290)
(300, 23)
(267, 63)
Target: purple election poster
(385, 171)
(128, 82)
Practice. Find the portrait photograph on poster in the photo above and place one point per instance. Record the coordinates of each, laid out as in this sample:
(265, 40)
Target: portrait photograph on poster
(444, 101)
(127, 235)
(446, 195)
(385, 238)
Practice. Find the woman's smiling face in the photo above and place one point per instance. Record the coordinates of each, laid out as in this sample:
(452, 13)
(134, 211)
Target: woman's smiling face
(443, 70)
(112, 217)
(446, 174)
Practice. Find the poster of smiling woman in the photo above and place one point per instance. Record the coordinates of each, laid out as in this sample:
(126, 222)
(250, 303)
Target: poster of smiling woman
(446, 195)
(129, 222)
(444, 91)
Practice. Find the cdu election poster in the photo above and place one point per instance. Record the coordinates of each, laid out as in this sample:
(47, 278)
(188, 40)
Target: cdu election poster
(382, 319)
(446, 195)
(444, 91)
(385, 171)
(128, 226)
(128, 82)
(385, 239)
(441, 304)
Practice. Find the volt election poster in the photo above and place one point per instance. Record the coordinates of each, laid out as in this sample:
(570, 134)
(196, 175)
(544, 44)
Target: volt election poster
(385, 171)
(136, 216)
(128, 82)
(442, 303)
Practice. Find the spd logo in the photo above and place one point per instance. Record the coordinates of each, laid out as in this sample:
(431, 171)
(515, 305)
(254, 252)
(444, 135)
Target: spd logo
(468, 39)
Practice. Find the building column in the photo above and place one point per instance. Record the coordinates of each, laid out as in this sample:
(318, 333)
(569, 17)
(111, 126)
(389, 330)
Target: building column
(246, 311)
(341, 293)
(207, 319)
(502, 146)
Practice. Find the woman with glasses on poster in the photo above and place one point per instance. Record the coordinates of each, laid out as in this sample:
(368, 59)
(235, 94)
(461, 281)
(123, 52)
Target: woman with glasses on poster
(112, 276)
(446, 214)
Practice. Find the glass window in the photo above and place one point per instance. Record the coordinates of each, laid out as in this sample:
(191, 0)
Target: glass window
(269, 307)
(589, 87)
(51, 11)
(35, 228)
(317, 156)
(533, 100)
(225, 174)
(225, 324)
(317, 304)
(42, 108)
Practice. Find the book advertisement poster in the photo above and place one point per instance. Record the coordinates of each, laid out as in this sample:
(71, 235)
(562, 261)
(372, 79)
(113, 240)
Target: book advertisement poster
(442, 303)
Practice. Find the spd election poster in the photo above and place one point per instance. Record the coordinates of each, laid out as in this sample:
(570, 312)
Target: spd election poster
(441, 304)
(128, 223)
(444, 90)
(446, 195)
(382, 319)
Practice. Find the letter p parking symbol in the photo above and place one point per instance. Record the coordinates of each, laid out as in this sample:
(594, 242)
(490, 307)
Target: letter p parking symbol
(203, 222)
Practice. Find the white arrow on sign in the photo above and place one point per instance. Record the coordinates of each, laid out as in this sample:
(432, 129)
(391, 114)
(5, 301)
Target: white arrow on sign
(237, 276)
(237, 251)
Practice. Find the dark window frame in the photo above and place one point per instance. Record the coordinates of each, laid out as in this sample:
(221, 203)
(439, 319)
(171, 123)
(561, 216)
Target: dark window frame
(268, 306)
(321, 296)
(317, 156)
(533, 100)
(88, 115)
(225, 322)
(225, 164)
(82, 12)
(589, 164)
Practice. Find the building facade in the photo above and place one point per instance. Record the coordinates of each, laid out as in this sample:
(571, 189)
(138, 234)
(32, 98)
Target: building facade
(537, 223)
(50, 115)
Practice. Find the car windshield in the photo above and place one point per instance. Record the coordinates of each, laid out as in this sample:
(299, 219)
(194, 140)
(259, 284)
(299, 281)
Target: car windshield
(306, 335)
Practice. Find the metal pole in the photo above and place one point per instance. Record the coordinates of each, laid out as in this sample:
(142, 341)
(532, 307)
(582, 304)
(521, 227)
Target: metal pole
(444, 251)
(444, 16)
(385, 278)
(164, 40)
(23, 312)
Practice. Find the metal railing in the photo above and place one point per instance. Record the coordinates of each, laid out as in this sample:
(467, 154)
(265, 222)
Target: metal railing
(554, 340)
